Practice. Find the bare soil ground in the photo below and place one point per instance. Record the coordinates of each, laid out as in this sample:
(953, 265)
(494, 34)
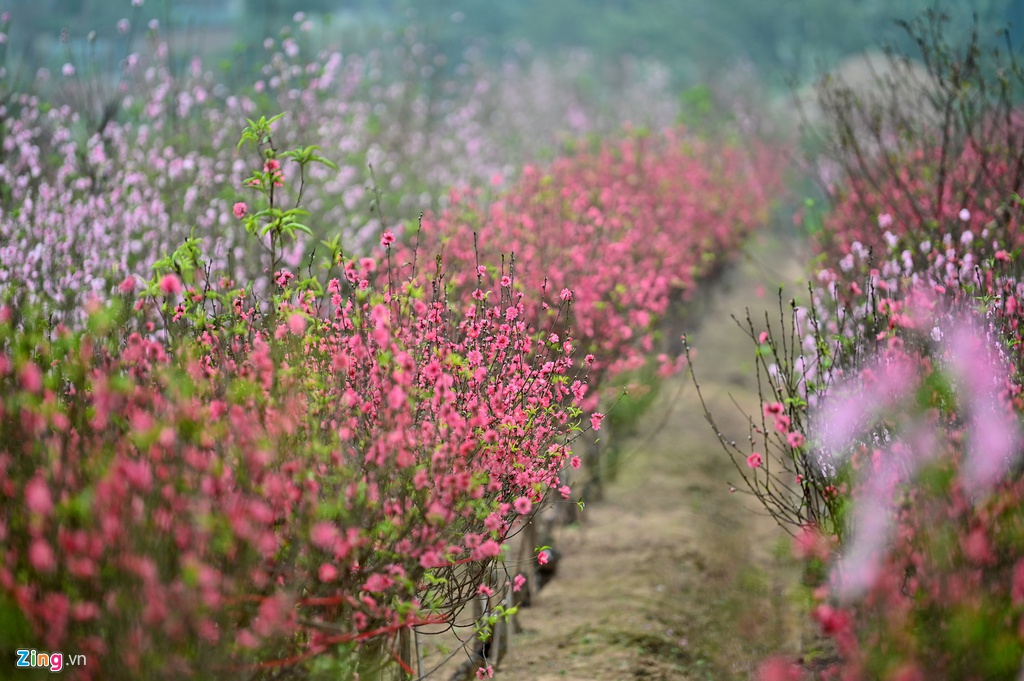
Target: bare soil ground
(672, 576)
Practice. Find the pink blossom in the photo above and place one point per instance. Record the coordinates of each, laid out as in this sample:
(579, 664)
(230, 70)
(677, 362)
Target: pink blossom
(543, 557)
(246, 639)
(763, 338)
(387, 238)
(378, 583)
(778, 669)
(488, 549)
(506, 281)
(575, 462)
(170, 285)
(31, 377)
(127, 284)
(795, 439)
(566, 294)
(37, 497)
(595, 421)
(754, 460)
(240, 209)
(41, 557)
(324, 535)
(518, 581)
(522, 505)
(297, 323)
(327, 572)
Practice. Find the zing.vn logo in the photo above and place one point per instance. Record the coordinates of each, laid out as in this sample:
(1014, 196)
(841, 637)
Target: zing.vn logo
(53, 661)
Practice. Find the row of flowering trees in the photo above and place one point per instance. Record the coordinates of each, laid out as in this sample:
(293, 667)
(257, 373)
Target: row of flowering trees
(102, 175)
(889, 440)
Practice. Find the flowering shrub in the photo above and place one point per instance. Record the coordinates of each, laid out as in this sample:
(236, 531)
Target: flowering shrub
(230, 481)
(889, 438)
(100, 180)
(623, 230)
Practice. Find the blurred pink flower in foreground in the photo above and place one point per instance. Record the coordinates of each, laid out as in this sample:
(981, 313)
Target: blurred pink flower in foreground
(887, 388)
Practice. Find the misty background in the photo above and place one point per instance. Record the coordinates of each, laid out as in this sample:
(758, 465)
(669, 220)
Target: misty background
(695, 41)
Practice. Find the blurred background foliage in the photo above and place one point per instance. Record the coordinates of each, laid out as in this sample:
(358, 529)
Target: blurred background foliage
(697, 40)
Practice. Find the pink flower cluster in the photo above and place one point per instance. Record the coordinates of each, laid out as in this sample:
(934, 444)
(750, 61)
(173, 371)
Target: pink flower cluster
(622, 232)
(916, 406)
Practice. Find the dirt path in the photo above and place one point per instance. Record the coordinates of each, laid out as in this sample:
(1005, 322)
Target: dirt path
(671, 576)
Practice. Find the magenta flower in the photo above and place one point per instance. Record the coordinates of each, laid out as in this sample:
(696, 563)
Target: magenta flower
(595, 421)
(387, 238)
(755, 460)
(240, 209)
(522, 505)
